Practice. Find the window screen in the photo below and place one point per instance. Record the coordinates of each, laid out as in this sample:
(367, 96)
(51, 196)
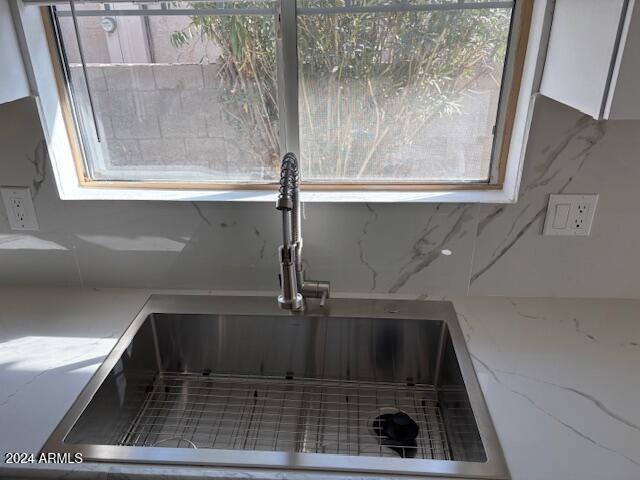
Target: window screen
(387, 91)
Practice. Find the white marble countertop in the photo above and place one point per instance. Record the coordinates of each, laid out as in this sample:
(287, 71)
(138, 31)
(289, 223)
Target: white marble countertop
(560, 377)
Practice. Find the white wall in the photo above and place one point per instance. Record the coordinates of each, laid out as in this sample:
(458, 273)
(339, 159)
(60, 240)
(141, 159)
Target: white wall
(383, 249)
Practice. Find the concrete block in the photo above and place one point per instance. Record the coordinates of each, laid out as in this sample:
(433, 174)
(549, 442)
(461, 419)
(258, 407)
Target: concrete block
(129, 77)
(157, 103)
(178, 76)
(104, 126)
(183, 125)
(250, 165)
(219, 124)
(135, 127)
(164, 152)
(207, 151)
(114, 103)
(122, 152)
(216, 126)
(97, 81)
(204, 100)
(211, 74)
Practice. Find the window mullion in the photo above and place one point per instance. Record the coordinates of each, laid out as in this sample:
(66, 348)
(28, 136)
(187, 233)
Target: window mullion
(287, 60)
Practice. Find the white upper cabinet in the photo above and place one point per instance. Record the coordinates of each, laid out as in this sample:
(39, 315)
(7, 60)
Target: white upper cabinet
(593, 58)
(13, 79)
(624, 102)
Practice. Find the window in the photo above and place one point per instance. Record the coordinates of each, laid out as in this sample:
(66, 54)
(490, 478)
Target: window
(172, 92)
(369, 93)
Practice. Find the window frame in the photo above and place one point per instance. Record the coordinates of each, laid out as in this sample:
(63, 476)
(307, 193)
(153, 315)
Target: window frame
(501, 188)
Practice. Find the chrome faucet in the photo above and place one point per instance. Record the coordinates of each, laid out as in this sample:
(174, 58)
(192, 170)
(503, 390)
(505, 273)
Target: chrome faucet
(293, 286)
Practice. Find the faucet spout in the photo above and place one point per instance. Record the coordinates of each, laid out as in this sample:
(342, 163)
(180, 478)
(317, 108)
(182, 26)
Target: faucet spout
(293, 286)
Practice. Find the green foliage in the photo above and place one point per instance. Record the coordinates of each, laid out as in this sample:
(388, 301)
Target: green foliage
(248, 73)
(368, 81)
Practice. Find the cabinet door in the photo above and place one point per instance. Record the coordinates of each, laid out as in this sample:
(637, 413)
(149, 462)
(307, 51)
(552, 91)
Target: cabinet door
(581, 52)
(13, 79)
(624, 98)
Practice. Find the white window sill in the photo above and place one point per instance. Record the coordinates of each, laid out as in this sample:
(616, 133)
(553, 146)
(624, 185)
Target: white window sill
(452, 196)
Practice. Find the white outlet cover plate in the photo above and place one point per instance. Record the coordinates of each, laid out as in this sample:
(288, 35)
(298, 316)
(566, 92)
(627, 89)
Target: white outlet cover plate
(29, 222)
(570, 215)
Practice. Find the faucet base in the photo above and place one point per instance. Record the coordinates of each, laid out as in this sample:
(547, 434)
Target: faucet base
(296, 303)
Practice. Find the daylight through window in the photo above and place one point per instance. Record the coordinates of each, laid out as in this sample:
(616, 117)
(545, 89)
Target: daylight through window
(375, 92)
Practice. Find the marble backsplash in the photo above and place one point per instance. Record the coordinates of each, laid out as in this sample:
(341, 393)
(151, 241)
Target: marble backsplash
(361, 248)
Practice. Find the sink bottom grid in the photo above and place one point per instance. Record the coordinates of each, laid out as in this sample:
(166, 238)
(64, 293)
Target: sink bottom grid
(292, 415)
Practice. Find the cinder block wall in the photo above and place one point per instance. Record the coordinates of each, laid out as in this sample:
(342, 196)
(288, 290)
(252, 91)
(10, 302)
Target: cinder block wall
(164, 121)
(162, 117)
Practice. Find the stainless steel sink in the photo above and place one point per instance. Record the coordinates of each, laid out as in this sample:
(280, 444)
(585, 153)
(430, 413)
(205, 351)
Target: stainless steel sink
(235, 381)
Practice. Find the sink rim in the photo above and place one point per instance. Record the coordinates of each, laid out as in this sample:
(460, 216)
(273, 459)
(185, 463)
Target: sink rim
(495, 466)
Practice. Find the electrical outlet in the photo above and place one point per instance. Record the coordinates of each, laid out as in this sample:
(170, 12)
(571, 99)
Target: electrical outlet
(19, 206)
(570, 214)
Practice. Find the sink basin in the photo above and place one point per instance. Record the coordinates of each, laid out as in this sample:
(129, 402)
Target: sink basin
(234, 381)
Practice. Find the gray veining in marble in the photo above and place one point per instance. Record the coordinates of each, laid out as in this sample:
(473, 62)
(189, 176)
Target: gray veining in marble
(200, 214)
(361, 248)
(512, 257)
(495, 375)
(563, 406)
(426, 249)
(553, 174)
(586, 403)
(601, 406)
(365, 227)
(39, 161)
